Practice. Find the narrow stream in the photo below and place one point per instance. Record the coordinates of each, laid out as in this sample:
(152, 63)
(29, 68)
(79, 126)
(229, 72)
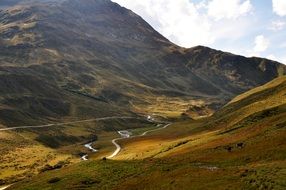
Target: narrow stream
(124, 135)
(88, 146)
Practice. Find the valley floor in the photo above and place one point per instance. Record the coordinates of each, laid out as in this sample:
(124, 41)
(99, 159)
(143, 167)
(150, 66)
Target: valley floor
(190, 158)
(242, 146)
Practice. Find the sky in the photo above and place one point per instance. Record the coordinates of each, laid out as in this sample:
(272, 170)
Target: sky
(245, 27)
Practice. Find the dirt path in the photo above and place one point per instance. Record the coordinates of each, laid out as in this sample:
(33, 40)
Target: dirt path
(5, 187)
(125, 136)
(66, 123)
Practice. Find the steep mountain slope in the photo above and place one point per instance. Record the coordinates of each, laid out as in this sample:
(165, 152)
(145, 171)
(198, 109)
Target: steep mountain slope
(220, 152)
(97, 55)
(249, 116)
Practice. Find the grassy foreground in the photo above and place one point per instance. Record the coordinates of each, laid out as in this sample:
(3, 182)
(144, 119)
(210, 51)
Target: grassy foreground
(240, 147)
(260, 164)
(27, 152)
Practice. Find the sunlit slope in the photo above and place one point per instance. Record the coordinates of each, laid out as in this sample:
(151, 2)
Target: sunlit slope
(246, 116)
(262, 100)
(271, 85)
(241, 147)
(26, 152)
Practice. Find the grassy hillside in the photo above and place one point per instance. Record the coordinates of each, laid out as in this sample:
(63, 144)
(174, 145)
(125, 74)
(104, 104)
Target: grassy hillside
(65, 60)
(241, 147)
(26, 152)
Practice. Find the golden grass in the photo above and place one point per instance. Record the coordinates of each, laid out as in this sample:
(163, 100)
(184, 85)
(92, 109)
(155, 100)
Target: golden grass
(27, 161)
(269, 85)
(171, 107)
(203, 162)
(192, 153)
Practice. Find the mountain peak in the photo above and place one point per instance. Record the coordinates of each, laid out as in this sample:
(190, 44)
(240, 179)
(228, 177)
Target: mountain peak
(76, 47)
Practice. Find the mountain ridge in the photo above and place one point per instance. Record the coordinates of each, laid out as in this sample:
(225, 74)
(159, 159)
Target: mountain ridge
(76, 48)
(77, 60)
(240, 147)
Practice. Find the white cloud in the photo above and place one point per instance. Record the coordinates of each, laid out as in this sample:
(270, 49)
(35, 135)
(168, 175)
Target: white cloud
(188, 24)
(275, 58)
(181, 22)
(277, 25)
(271, 57)
(280, 59)
(222, 24)
(283, 60)
(229, 9)
(201, 4)
(283, 45)
(279, 7)
(261, 44)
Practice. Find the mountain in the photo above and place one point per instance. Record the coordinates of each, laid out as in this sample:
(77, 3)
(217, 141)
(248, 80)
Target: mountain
(242, 146)
(64, 63)
(80, 59)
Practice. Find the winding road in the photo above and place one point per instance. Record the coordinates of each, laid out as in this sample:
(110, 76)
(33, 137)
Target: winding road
(125, 136)
(5, 187)
(66, 123)
(88, 146)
